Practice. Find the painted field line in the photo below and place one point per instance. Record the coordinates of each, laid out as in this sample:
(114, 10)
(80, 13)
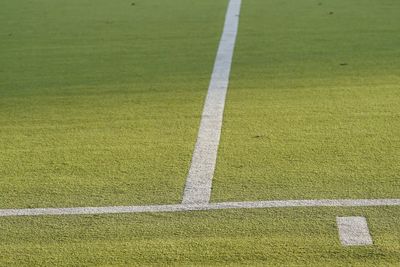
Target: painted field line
(353, 231)
(199, 180)
(199, 207)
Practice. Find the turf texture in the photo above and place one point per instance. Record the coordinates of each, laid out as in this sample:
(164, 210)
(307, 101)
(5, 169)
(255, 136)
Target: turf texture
(100, 101)
(313, 108)
(269, 237)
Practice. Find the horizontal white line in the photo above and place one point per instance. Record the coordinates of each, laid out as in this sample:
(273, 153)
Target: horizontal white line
(353, 231)
(196, 207)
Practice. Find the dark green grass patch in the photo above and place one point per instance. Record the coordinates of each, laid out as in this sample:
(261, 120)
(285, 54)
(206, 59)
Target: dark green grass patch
(100, 101)
(313, 108)
(269, 237)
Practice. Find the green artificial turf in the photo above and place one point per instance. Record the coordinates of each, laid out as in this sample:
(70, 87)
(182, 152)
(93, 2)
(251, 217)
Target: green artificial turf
(313, 107)
(265, 237)
(100, 101)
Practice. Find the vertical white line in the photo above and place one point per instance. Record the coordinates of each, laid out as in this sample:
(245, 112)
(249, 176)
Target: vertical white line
(353, 231)
(201, 172)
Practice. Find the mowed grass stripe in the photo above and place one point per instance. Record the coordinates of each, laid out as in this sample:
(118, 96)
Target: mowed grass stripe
(265, 237)
(100, 101)
(313, 108)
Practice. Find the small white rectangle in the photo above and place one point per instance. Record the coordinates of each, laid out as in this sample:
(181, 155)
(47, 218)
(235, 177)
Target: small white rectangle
(353, 231)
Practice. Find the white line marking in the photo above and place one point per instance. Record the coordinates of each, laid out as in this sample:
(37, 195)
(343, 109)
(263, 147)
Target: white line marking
(199, 180)
(204, 206)
(353, 231)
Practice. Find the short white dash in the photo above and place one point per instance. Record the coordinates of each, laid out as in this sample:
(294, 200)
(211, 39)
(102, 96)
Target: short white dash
(353, 231)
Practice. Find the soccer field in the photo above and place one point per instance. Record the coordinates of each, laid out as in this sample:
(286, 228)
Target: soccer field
(313, 108)
(100, 100)
(100, 107)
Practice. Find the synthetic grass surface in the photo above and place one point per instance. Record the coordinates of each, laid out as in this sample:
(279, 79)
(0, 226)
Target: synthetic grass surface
(313, 107)
(100, 101)
(269, 237)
